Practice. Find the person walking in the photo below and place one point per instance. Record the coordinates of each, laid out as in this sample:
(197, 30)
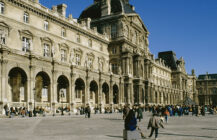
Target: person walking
(139, 114)
(166, 113)
(155, 124)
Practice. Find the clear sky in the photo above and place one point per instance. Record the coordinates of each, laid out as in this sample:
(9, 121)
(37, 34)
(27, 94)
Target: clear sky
(187, 27)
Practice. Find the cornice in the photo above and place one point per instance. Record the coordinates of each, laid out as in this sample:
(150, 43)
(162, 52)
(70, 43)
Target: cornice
(62, 21)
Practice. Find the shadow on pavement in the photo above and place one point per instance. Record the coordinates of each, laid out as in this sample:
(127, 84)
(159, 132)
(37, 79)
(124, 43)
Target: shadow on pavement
(209, 129)
(114, 136)
(112, 119)
(187, 135)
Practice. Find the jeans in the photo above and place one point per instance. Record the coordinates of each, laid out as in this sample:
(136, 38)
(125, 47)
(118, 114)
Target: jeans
(156, 132)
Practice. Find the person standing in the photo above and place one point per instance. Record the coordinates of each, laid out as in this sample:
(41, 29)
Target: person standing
(155, 124)
(139, 114)
(88, 111)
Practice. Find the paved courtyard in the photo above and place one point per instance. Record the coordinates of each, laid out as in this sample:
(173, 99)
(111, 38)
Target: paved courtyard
(103, 127)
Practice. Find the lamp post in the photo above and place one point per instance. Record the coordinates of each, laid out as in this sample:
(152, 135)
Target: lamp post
(34, 111)
(62, 95)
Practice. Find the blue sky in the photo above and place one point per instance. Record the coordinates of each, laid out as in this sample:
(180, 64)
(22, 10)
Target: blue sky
(188, 27)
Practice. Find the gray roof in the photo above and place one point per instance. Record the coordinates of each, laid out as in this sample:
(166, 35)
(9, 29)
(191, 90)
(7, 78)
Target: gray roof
(170, 59)
(210, 76)
(117, 6)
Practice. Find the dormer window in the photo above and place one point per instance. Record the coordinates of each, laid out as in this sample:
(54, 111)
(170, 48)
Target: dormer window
(46, 50)
(46, 25)
(63, 32)
(26, 44)
(2, 8)
(114, 31)
(26, 17)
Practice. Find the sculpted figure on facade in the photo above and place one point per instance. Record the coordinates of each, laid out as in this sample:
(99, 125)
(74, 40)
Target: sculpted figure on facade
(72, 57)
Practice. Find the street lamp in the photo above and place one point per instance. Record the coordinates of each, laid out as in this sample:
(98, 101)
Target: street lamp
(62, 95)
(34, 111)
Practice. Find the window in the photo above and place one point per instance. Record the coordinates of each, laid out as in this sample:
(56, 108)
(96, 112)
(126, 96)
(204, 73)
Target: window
(78, 38)
(46, 25)
(26, 17)
(63, 55)
(78, 59)
(2, 7)
(90, 62)
(63, 32)
(114, 31)
(78, 94)
(114, 51)
(46, 50)
(26, 44)
(89, 43)
(115, 68)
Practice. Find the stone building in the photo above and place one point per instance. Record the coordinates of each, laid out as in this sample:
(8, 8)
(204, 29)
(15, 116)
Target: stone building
(102, 59)
(207, 89)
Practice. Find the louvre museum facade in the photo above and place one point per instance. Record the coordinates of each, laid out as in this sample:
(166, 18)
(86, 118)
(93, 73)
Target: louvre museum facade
(101, 59)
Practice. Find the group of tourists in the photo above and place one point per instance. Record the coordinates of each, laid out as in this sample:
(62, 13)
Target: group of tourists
(160, 115)
(84, 111)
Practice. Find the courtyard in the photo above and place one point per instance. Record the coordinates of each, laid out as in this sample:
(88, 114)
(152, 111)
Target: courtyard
(103, 127)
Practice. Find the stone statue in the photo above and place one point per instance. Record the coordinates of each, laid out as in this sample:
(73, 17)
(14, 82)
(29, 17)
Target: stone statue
(100, 64)
(53, 51)
(146, 40)
(72, 57)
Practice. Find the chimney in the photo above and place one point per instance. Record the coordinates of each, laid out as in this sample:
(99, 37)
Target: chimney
(61, 9)
(106, 8)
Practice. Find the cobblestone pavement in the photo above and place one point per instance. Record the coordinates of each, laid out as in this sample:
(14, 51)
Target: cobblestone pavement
(103, 127)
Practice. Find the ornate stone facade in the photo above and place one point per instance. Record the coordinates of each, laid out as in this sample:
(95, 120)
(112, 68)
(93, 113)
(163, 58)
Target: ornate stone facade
(207, 89)
(101, 59)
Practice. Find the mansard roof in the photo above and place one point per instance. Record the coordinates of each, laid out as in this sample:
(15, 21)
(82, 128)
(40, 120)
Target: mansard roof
(170, 59)
(209, 76)
(117, 6)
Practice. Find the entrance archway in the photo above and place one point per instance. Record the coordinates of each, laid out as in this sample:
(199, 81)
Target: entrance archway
(80, 90)
(115, 94)
(18, 85)
(105, 93)
(62, 89)
(94, 92)
(42, 87)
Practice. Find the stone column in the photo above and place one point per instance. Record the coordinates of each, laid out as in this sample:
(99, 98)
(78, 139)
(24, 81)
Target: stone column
(4, 82)
(100, 92)
(87, 90)
(111, 92)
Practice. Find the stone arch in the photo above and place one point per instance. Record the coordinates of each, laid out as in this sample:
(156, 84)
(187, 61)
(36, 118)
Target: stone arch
(115, 94)
(63, 89)
(80, 90)
(17, 80)
(94, 91)
(105, 93)
(42, 87)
